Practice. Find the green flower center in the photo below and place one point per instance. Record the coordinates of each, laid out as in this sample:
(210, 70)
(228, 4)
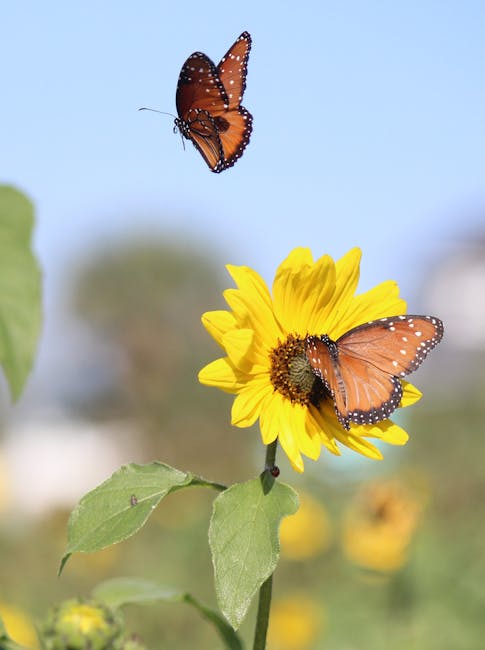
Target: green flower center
(292, 375)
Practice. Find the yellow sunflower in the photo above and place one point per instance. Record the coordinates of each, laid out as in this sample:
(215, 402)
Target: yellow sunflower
(308, 532)
(297, 622)
(380, 524)
(263, 337)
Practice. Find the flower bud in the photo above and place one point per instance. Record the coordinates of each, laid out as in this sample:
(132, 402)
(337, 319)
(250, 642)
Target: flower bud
(83, 625)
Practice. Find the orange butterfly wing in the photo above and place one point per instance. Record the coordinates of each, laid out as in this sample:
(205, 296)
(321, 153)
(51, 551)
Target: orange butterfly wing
(234, 128)
(199, 86)
(233, 69)
(371, 395)
(397, 345)
(322, 355)
(200, 128)
(200, 91)
(361, 369)
(361, 392)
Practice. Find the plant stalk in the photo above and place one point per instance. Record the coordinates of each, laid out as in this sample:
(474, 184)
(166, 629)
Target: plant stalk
(264, 604)
(262, 619)
(271, 454)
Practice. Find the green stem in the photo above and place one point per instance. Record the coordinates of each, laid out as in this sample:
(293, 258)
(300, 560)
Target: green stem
(200, 482)
(264, 604)
(263, 614)
(271, 454)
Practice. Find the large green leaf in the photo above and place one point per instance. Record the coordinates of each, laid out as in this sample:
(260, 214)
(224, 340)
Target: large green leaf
(120, 506)
(20, 290)
(128, 591)
(243, 537)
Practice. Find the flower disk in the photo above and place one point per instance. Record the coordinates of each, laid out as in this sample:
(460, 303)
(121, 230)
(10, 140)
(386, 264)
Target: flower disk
(265, 364)
(291, 374)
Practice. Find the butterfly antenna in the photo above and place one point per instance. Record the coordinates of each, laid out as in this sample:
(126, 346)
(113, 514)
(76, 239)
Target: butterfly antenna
(175, 128)
(154, 110)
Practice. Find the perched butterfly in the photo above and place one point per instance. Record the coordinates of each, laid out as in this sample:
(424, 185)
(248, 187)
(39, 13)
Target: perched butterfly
(362, 369)
(209, 105)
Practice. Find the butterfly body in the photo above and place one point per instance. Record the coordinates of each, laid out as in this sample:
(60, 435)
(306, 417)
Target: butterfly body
(362, 369)
(199, 126)
(209, 108)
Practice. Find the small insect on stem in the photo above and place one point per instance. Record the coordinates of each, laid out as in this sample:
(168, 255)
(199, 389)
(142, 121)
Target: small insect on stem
(133, 500)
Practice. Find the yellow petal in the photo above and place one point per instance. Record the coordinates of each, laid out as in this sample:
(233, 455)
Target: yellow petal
(347, 278)
(301, 294)
(410, 395)
(221, 374)
(299, 258)
(348, 269)
(250, 282)
(321, 288)
(289, 446)
(252, 311)
(353, 438)
(317, 423)
(287, 302)
(239, 306)
(262, 341)
(277, 419)
(247, 406)
(362, 446)
(379, 302)
(269, 420)
(217, 323)
(308, 444)
(254, 295)
(388, 431)
(291, 273)
(237, 343)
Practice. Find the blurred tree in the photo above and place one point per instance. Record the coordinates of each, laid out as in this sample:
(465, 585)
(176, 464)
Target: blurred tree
(146, 298)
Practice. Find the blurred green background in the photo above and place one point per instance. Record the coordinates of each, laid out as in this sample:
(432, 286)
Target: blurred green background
(368, 131)
(138, 399)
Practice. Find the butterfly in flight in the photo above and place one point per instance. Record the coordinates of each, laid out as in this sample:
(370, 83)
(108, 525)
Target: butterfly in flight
(362, 370)
(209, 107)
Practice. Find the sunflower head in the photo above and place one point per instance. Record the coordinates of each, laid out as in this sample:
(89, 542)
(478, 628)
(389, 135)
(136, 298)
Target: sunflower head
(266, 365)
(82, 625)
(380, 524)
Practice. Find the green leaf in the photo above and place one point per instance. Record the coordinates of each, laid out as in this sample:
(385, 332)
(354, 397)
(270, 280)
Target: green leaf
(120, 506)
(126, 591)
(129, 591)
(243, 537)
(20, 289)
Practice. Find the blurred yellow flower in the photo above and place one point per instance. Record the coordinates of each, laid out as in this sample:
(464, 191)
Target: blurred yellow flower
(306, 533)
(266, 367)
(84, 617)
(295, 624)
(380, 525)
(78, 625)
(18, 626)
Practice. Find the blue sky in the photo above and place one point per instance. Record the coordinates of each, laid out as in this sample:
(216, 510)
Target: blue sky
(369, 128)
